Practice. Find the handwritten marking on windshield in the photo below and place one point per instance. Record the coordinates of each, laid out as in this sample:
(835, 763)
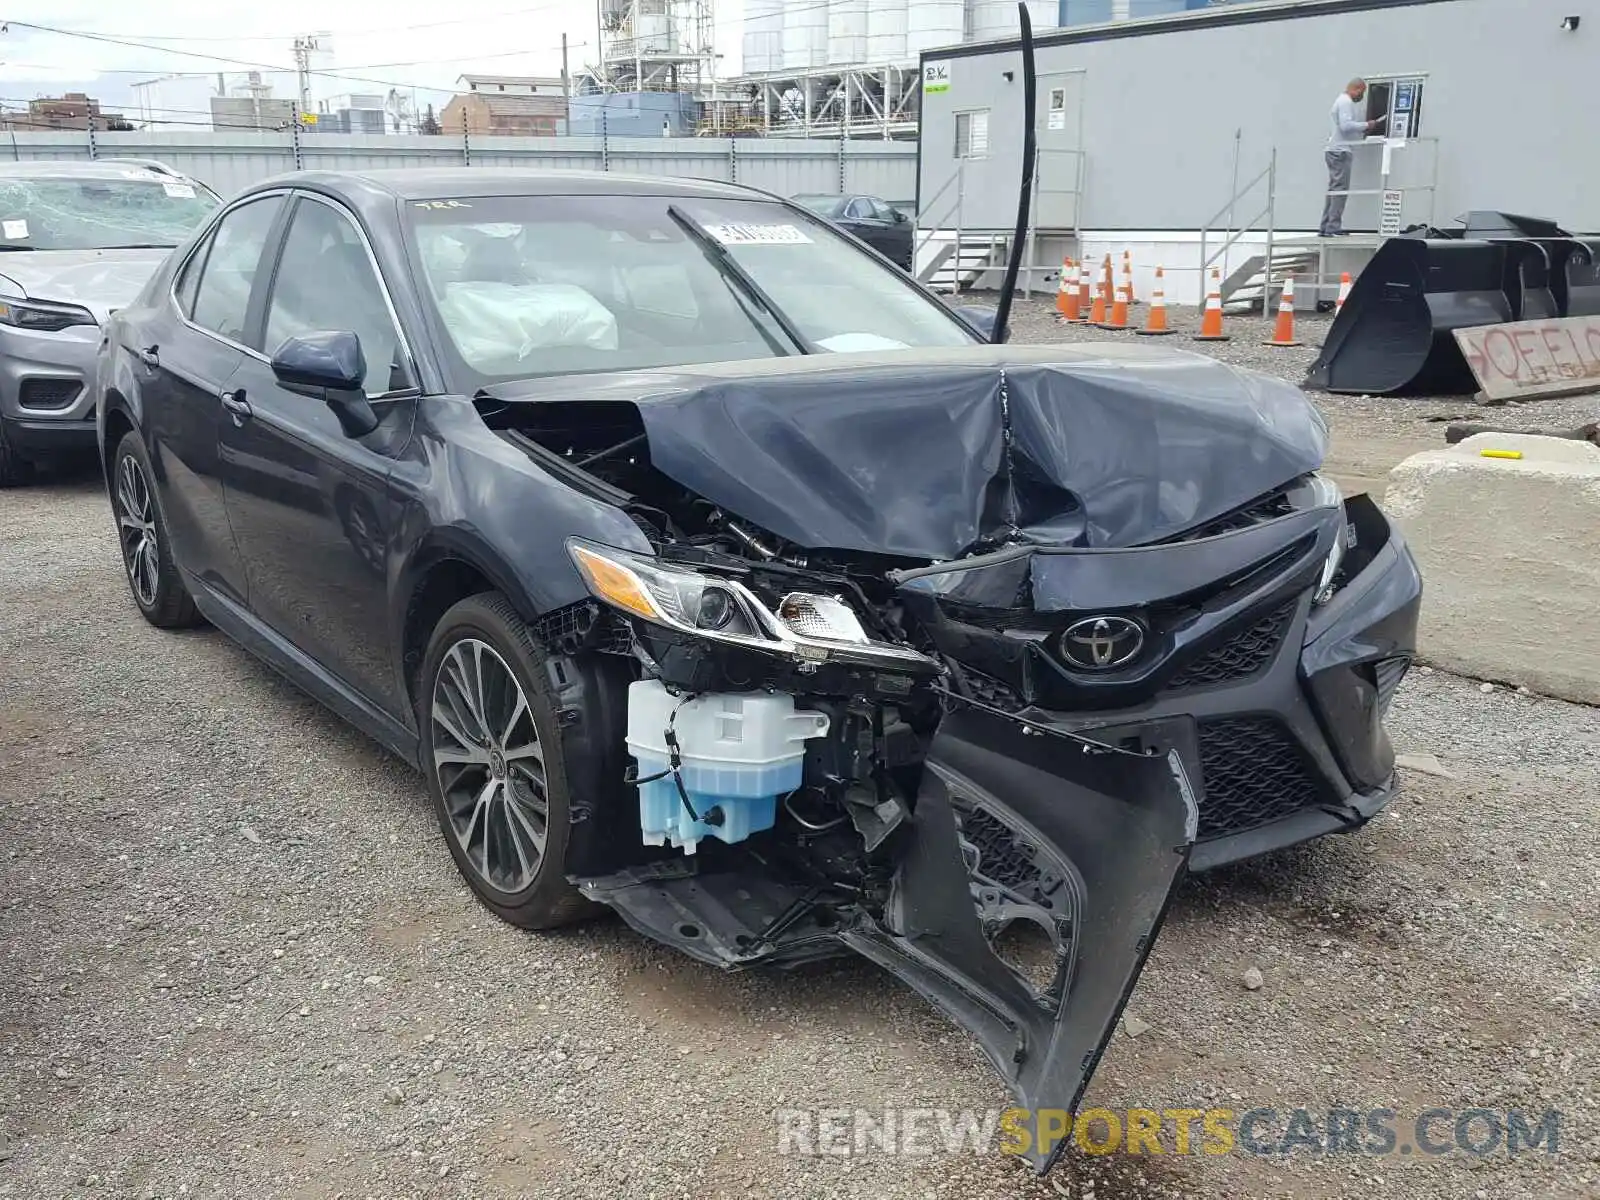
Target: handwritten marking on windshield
(758, 235)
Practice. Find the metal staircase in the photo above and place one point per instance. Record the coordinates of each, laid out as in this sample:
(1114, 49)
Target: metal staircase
(1254, 277)
(954, 262)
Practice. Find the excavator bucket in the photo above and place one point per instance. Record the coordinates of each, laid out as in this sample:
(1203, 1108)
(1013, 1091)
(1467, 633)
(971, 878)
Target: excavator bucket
(1393, 334)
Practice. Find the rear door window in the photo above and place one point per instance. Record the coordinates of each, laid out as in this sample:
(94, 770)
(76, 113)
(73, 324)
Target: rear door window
(189, 278)
(222, 299)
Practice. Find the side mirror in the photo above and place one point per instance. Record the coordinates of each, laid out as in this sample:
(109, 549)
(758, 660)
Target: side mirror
(979, 320)
(900, 218)
(330, 367)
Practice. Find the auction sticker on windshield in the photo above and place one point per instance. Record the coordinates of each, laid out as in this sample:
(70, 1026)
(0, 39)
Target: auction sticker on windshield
(178, 191)
(758, 235)
(14, 229)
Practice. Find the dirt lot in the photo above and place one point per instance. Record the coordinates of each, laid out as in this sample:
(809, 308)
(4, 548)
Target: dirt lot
(235, 958)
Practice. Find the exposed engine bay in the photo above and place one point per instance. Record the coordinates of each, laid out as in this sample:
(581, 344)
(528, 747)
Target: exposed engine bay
(908, 703)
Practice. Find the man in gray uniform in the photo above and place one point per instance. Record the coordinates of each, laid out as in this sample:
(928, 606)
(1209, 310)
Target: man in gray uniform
(1349, 127)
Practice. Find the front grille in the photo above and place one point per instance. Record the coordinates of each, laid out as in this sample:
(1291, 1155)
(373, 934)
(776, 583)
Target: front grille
(49, 394)
(1254, 772)
(1247, 652)
(993, 692)
(1000, 856)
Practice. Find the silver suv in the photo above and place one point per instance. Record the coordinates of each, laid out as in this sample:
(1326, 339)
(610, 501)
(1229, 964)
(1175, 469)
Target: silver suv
(77, 242)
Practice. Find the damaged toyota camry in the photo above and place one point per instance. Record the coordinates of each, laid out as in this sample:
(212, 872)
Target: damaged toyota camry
(712, 570)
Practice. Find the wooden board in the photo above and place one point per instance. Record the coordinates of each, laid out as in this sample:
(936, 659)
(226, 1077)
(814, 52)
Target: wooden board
(1525, 360)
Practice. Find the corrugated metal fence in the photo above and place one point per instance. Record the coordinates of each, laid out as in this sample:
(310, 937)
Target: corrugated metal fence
(230, 161)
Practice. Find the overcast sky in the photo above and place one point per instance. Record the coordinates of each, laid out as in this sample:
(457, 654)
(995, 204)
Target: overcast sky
(415, 45)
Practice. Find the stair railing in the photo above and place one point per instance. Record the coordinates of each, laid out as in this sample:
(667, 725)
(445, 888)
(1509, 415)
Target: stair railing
(1267, 179)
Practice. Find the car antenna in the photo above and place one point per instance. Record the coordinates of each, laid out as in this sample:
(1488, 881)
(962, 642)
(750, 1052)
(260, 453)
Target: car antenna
(1030, 139)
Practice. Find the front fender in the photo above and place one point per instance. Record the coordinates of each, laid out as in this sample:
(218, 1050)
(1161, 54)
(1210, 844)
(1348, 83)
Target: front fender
(462, 492)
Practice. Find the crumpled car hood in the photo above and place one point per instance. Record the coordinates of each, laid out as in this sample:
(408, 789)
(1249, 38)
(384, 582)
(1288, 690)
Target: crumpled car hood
(930, 454)
(99, 280)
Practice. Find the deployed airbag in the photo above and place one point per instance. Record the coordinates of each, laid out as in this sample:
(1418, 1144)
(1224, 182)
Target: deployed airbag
(496, 326)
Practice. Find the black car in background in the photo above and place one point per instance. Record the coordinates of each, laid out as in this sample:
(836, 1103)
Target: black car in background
(877, 223)
(711, 569)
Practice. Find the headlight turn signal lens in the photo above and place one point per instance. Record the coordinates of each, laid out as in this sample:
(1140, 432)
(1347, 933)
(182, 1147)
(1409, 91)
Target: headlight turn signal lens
(616, 584)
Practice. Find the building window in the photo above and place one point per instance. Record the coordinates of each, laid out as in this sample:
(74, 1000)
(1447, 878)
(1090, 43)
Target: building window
(972, 134)
(1398, 97)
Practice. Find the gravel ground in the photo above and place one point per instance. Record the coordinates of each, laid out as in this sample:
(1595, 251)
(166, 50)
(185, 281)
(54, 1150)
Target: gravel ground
(236, 960)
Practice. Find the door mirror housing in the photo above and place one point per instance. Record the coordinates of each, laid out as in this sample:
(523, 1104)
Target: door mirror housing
(328, 366)
(900, 218)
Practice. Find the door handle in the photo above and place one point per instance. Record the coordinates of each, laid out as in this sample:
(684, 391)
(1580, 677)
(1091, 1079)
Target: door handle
(235, 403)
(150, 356)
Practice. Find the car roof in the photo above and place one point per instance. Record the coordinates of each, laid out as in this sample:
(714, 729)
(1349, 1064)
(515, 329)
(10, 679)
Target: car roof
(427, 183)
(100, 168)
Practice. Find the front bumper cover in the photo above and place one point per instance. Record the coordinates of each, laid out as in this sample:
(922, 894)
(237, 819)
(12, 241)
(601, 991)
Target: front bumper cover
(1287, 697)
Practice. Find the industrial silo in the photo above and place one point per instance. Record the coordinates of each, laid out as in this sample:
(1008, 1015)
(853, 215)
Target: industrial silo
(652, 27)
(763, 36)
(931, 23)
(886, 31)
(990, 19)
(805, 34)
(847, 31)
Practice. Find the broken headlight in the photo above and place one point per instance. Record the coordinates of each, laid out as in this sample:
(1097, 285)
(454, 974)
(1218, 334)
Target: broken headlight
(806, 627)
(1318, 491)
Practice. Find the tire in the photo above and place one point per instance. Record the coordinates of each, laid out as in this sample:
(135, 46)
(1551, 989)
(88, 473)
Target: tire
(153, 577)
(14, 469)
(487, 791)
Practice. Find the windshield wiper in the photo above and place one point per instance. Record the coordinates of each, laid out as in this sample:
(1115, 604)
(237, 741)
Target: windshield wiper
(18, 247)
(140, 246)
(730, 269)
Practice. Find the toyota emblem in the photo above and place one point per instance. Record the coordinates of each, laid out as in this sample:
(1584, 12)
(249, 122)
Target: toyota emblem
(1102, 643)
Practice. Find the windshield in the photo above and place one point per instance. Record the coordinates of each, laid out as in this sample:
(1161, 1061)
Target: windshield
(546, 285)
(100, 214)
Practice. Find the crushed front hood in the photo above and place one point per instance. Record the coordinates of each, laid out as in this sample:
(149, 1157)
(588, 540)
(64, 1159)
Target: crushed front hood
(929, 454)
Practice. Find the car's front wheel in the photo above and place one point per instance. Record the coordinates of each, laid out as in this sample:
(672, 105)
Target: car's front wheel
(153, 576)
(492, 751)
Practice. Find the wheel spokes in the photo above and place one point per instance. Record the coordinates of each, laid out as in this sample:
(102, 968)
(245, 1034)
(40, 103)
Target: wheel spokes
(148, 569)
(489, 765)
(137, 531)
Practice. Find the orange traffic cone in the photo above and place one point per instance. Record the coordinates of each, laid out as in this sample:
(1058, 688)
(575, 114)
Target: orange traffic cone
(1097, 311)
(1344, 292)
(1085, 284)
(1127, 276)
(1155, 324)
(1106, 288)
(1119, 310)
(1067, 293)
(1283, 331)
(1211, 322)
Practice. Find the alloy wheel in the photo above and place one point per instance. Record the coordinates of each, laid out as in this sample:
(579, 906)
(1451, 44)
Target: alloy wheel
(490, 765)
(136, 524)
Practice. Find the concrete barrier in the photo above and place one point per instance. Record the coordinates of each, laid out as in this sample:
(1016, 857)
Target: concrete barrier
(1510, 557)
